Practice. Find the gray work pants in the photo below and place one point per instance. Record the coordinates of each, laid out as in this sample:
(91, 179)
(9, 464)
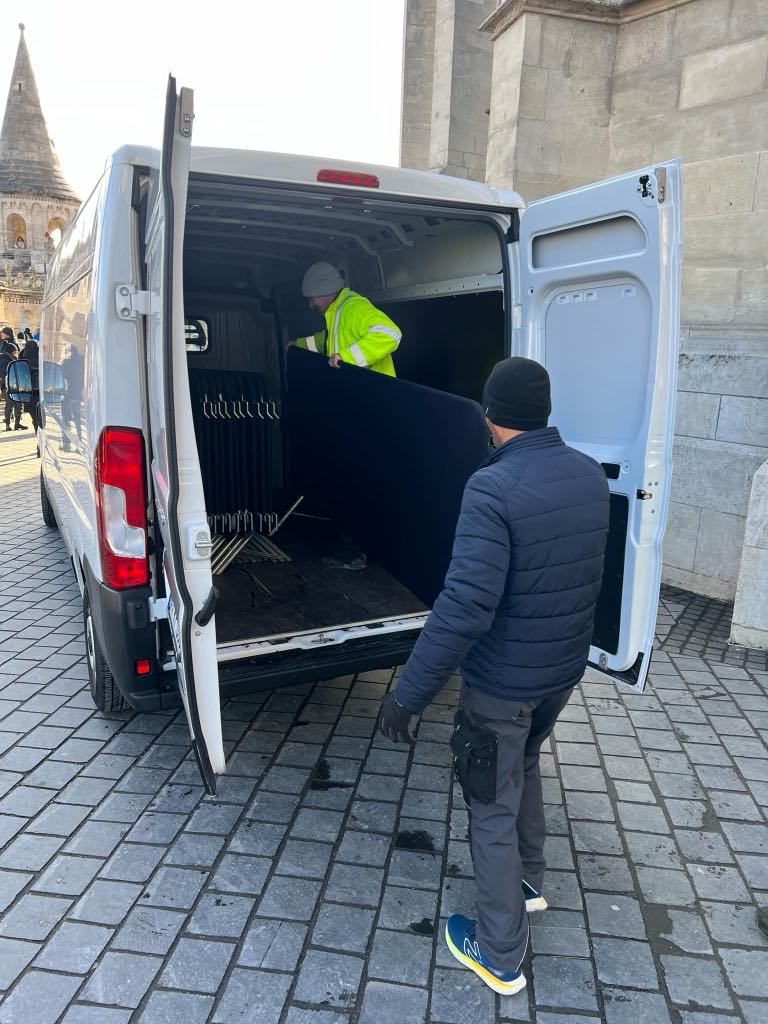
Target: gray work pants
(507, 836)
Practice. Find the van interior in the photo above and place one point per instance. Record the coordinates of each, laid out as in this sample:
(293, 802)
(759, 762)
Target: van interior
(306, 468)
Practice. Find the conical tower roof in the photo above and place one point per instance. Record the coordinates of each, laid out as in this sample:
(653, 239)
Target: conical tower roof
(28, 161)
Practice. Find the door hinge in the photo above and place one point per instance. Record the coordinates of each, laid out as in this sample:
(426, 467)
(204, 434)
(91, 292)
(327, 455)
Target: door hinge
(661, 179)
(158, 608)
(186, 112)
(131, 302)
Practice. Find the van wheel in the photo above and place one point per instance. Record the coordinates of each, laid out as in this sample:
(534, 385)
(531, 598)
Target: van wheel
(49, 516)
(104, 690)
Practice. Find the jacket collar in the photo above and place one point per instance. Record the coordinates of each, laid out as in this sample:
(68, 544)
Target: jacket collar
(543, 437)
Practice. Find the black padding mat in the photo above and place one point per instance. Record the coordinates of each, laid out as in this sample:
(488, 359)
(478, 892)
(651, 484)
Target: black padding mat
(389, 460)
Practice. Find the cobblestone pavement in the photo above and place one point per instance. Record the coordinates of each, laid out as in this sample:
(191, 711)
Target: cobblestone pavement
(314, 887)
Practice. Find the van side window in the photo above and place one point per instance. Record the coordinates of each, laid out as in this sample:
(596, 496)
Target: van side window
(197, 334)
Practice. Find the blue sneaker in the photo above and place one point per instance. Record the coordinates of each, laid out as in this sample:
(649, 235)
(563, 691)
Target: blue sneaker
(460, 937)
(533, 898)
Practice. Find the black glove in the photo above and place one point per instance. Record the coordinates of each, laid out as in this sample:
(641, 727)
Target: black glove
(395, 720)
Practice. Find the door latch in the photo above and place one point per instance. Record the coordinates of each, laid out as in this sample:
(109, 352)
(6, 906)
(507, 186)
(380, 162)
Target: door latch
(130, 302)
(644, 186)
(644, 495)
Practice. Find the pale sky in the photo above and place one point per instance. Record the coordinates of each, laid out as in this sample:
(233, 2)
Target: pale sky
(321, 77)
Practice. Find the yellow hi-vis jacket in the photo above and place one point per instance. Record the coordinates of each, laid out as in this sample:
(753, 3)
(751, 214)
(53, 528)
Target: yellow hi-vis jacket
(359, 332)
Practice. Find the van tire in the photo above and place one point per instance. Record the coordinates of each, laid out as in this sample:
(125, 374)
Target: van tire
(104, 690)
(49, 516)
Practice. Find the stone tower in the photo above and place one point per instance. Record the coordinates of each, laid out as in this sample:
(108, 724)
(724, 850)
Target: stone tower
(36, 202)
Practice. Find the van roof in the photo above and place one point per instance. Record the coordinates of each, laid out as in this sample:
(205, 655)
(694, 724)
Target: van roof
(291, 168)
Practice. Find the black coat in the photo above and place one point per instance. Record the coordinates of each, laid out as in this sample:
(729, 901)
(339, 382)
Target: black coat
(518, 607)
(32, 355)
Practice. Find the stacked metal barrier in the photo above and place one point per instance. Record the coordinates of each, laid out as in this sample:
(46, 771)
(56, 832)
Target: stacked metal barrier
(236, 425)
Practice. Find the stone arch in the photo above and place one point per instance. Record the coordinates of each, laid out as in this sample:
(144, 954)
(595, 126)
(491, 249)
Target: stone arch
(55, 229)
(16, 231)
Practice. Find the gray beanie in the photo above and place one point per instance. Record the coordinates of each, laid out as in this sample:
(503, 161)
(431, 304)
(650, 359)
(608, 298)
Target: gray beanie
(321, 279)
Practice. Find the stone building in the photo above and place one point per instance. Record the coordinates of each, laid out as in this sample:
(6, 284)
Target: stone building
(36, 202)
(546, 95)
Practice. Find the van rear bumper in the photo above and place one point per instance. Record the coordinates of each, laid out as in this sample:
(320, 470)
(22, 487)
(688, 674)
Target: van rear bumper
(126, 635)
(291, 668)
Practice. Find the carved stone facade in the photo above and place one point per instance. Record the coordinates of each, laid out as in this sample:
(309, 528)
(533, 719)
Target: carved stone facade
(582, 90)
(36, 203)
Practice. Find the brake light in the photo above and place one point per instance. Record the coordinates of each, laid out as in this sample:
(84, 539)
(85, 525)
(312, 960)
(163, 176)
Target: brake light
(338, 177)
(121, 506)
(143, 667)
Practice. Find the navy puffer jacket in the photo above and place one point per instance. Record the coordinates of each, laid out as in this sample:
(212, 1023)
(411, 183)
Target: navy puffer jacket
(518, 606)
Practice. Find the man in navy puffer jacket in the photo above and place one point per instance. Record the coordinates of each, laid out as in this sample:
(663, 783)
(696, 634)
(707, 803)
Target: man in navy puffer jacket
(516, 616)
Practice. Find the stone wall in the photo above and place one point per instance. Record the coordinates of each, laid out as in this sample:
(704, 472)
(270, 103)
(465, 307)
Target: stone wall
(418, 71)
(611, 88)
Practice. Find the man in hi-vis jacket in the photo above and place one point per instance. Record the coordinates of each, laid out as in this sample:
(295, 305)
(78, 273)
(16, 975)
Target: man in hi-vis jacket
(356, 331)
(516, 617)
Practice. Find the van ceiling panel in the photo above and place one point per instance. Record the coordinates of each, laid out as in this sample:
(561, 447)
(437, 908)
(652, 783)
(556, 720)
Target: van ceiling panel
(278, 233)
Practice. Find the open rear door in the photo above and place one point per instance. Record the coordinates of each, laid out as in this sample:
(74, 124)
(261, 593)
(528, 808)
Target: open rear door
(599, 307)
(178, 489)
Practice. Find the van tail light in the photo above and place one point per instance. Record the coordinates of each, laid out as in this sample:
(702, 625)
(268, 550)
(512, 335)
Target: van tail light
(332, 176)
(121, 505)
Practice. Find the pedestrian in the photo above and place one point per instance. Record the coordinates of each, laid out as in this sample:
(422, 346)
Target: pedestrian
(32, 356)
(8, 353)
(516, 616)
(356, 331)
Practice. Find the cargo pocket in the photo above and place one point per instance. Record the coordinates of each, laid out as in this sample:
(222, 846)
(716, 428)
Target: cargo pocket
(474, 749)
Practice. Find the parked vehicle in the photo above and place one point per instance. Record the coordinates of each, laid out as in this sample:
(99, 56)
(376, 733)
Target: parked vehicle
(163, 390)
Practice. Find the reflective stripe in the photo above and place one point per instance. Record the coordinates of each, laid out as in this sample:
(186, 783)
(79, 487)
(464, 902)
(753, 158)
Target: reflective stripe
(311, 344)
(336, 319)
(357, 355)
(391, 332)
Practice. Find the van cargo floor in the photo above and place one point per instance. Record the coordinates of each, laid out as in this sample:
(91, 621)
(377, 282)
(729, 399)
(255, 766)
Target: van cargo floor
(292, 597)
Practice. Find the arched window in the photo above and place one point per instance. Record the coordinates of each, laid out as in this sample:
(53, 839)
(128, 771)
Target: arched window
(16, 232)
(56, 228)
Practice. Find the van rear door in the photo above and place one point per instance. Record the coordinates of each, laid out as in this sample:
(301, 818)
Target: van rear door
(177, 483)
(599, 290)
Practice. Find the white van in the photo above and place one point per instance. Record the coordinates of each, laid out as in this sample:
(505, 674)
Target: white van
(164, 391)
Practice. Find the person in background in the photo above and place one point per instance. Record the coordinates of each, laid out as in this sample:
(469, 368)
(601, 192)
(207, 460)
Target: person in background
(356, 331)
(516, 616)
(8, 353)
(32, 356)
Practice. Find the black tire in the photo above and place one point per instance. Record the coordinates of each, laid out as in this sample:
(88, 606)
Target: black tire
(104, 690)
(49, 516)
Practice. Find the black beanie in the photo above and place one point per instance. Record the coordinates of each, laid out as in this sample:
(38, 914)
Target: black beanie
(516, 395)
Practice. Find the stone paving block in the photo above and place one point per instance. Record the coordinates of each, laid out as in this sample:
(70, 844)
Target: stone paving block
(695, 980)
(594, 837)
(400, 957)
(403, 908)
(733, 924)
(755, 869)
(660, 885)
(38, 996)
(419, 870)
(121, 979)
(738, 806)
(328, 979)
(564, 982)
(356, 885)
(74, 948)
(393, 1004)
(560, 933)
(707, 754)
(132, 862)
(624, 962)
(33, 917)
(687, 813)
(344, 928)
(30, 852)
(96, 838)
(606, 874)
(292, 899)
(715, 882)
(149, 930)
(15, 955)
(220, 916)
(247, 991)
(747, 971)
(591, 806)
(624, 1007)
(197, 965)
(173, 887)
(58, 820)
(363, 848)
(176, 1008)
(11, 884)
(753, 1012)
(251, 836)
(615, 915)
(68, 876)
(703, 846)
(106, 902)
(456, 998)
(684, 929)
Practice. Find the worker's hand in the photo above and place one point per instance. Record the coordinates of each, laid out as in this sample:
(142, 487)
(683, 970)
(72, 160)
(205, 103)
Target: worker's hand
(335, 360)
(287, 343)
(395, 720)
